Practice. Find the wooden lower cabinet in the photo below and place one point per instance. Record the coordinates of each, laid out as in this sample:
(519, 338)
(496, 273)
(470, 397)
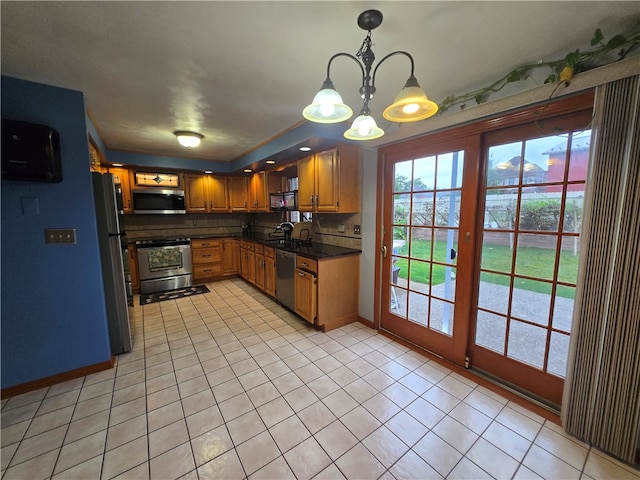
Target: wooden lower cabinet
(213, 258)
(258, 266)
(305, 297)
(326, 290)
(230, 256)
(206, 258)
(270, 271)
(247, 261)
(258, 252)
(334, 301)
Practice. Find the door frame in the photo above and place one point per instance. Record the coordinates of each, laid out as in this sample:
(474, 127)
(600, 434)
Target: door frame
(454, 347)
(469, 136)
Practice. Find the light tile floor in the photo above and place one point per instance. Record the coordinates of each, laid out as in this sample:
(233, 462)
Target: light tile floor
(229, 385)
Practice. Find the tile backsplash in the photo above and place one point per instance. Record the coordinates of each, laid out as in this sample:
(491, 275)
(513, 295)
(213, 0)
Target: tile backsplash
(331, 229)
(192, 224)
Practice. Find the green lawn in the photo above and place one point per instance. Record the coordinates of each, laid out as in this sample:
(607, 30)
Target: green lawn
(532, 262)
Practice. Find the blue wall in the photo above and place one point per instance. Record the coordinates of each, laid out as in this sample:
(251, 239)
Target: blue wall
(53, 307)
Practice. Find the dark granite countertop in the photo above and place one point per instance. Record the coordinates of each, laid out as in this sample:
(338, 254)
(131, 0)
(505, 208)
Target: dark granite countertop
(313, 250)
(317, 251)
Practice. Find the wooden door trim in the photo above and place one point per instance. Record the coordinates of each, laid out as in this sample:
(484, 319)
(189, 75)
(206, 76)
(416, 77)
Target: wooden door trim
(459, 136)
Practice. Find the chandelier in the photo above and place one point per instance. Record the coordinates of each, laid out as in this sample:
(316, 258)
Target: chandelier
(410, 105)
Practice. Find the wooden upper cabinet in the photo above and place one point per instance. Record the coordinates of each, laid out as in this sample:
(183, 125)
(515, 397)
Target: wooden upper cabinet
(218, 194)
(258, 192)
(196, 196)
(206, 194)
(123, 178)
(260, 186)
(238, 194)
(329, 181)
(306, 183)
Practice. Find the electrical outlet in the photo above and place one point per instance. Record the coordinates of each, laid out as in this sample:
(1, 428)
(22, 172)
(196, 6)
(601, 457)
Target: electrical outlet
(356, 229)
(59, 235)
(341, 228)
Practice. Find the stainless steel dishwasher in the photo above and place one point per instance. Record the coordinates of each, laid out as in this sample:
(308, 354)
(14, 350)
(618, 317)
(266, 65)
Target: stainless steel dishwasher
(285, 286)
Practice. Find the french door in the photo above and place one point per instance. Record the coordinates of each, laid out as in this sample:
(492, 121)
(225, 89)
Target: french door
(426, 257)
(529, 246)
(481, 241)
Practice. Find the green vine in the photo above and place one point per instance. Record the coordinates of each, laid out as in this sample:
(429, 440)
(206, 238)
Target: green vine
(562, 71)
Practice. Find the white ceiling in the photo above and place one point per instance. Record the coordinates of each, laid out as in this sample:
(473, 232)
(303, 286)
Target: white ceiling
(241, 72)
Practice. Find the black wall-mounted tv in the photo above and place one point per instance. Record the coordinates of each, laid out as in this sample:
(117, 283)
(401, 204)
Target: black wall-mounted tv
(284, 201)
(30, 152)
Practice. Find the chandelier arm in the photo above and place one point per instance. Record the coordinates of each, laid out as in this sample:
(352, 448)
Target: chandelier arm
(373, 80)
(343, 54)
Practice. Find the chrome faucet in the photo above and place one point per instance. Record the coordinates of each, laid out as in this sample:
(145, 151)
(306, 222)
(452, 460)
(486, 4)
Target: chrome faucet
(287, 228)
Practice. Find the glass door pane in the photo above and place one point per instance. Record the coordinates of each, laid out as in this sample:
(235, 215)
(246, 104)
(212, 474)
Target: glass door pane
(533, 203)
(425, 224)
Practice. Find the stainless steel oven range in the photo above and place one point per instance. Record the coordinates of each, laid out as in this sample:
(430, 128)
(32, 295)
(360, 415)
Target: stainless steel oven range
(164, 264)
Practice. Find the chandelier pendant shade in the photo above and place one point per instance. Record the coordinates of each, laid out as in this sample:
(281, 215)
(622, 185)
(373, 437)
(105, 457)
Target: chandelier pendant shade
(364, 128)
(327, 106)
(410, 105)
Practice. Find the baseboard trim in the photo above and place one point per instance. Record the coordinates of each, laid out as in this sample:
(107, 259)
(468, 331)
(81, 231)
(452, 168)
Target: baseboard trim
(58, 378)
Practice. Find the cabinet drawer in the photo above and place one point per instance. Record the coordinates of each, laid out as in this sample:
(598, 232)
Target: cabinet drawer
(246, 244)
(269, 252)
(204, 271)
(205, 242)
(307, 264)
(259, 248)
(205, 255)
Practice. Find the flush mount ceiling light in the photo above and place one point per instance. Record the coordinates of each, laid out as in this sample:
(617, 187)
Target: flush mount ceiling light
(188, 139)
(410, 105)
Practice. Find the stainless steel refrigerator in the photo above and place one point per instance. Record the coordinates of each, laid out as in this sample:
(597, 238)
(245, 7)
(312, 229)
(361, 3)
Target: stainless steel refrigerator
(110, 240)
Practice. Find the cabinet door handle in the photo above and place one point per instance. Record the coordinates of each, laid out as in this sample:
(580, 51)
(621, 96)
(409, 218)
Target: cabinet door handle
(301, 274)
(206, 255)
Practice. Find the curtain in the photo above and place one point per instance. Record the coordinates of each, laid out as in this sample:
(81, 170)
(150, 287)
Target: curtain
(601, 402)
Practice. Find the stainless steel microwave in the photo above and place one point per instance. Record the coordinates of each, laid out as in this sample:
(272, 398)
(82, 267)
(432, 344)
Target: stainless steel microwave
(158, 201)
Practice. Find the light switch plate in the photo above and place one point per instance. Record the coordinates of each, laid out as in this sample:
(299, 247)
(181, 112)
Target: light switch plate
(59, 235)
(356, 229)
